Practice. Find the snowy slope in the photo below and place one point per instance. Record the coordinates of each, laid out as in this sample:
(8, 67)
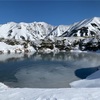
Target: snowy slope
(87, 27)
(90, 82)
(29, 31)
(25, 31)
(57, 31)
(48, 94)
(5, 48)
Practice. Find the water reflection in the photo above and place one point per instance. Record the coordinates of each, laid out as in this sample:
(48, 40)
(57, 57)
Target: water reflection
(14, 57)
(44, 70)
(83, 73)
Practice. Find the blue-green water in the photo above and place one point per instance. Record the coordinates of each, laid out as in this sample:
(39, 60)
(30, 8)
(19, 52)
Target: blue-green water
(46, 70)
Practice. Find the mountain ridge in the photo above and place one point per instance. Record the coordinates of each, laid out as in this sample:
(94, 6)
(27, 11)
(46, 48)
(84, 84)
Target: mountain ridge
(40, 30)
(32, 31)
(43, 37)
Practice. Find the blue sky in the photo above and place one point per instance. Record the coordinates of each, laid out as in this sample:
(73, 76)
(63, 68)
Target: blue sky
(54, 12)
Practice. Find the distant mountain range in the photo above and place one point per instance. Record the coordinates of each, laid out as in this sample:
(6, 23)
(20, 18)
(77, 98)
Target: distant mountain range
(30, 31)
(40, 30)
(40, 36)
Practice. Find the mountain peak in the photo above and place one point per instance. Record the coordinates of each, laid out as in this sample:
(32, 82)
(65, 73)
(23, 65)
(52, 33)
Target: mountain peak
(96, 19)
(88, 27)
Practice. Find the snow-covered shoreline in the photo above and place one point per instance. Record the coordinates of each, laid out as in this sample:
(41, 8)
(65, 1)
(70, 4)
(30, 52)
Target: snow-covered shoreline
(92, 81)
(77, 93)
(17, 49)
(49, 94)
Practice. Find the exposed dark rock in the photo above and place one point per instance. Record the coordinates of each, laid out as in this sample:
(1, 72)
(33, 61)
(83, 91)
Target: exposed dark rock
(23, 38)
(93, 24)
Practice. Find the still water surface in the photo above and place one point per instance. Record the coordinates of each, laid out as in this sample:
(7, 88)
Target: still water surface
(46, 70)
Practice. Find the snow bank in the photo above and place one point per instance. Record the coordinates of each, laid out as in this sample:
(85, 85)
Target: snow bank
(55, 50)
(4, 57)
(48, 94)
(90, 82)
(5, 48)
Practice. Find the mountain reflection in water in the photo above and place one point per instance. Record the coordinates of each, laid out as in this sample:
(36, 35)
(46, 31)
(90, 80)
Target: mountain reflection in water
(41, 70)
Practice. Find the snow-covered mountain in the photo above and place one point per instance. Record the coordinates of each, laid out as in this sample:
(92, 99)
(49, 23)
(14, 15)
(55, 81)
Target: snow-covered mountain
(40, 30)
(30, 31)
(57, 31)
(25, 31)
(87, 27)
(40, 36)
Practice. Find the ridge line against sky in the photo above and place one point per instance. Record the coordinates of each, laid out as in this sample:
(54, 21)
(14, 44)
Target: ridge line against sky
(54, 12)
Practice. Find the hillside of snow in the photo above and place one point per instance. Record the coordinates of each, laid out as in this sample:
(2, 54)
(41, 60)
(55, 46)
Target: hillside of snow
(30, 31)
(87, 27)
(57, 31)
(92, 81)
